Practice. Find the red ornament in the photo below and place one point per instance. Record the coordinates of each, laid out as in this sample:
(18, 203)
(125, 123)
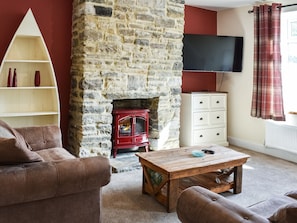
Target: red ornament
(37, 78)
(14, 80)
(9, 78)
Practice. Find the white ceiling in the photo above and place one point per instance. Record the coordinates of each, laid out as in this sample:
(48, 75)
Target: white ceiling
(217, 5)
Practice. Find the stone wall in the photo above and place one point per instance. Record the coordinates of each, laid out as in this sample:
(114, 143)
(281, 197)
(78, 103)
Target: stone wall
(125, 49)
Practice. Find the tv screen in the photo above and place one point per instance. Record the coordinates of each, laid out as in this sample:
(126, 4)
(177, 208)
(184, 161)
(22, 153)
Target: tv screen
(212, 53)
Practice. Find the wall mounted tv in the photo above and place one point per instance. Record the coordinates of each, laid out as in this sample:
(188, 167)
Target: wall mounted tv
(211, 53)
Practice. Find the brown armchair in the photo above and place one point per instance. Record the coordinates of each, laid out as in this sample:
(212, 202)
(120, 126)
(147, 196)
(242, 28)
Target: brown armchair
(54, 186)
(199, 205)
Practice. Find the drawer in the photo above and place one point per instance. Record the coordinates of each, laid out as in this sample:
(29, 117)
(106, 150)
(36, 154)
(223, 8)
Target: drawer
(200, 118)
(200, 102)
(209, 135)
(218, 102)
(217, 118)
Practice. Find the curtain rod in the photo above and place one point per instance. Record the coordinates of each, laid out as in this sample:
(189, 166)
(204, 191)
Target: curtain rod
(283, 6)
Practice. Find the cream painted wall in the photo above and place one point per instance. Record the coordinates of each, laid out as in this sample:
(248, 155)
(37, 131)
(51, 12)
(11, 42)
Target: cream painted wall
(244, 130)
(238, 22)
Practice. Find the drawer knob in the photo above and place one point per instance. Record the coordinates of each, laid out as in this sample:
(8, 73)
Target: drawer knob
(201, 119)
(201, 102)
(201, 136)
(218, 134)
(218, 117)
(218, 102)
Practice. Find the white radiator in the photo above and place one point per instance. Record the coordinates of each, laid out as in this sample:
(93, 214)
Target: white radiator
(279, 135)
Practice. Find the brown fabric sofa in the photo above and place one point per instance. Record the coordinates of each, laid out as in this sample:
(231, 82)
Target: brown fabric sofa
(49, 184)
(199, 205)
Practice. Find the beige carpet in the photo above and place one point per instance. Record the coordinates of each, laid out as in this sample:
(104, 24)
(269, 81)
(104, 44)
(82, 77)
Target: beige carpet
(263, 177)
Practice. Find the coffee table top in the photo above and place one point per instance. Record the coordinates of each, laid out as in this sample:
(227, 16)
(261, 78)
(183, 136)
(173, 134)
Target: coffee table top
(179, 160)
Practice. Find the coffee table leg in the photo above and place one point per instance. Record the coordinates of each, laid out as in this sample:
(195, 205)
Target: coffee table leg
(147, 187)
(237, 179)
(172, 194)
(143, 182)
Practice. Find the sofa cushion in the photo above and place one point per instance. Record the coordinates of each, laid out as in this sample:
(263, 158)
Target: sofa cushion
(55, 154)
(285, 214)
(268, 207)
(292, 194)
(13, 148)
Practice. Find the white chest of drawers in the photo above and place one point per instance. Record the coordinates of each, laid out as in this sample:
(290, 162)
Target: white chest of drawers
(203, 119)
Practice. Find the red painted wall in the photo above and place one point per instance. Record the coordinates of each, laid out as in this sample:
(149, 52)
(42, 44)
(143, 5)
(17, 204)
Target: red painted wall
(54, 18)
(199, 21)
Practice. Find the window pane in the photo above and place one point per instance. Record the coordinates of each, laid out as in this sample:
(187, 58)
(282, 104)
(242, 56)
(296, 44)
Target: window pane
(289, 59)
(140, 126)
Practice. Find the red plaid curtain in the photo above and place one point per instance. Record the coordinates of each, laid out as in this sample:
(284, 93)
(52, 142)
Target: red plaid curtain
(267, 101)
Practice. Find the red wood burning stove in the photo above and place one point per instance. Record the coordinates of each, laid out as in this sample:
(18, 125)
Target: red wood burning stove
(130, 129)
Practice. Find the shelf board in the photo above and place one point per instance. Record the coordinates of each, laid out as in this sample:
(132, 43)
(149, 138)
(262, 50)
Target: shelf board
(24, 114)
(27, 88)
(26, 61)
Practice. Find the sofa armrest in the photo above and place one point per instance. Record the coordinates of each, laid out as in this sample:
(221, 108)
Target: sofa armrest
(199, 205)
(42, 137)
(43, 180)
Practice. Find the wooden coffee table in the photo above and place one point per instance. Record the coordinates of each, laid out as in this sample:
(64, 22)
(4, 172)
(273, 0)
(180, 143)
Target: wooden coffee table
(167, 172)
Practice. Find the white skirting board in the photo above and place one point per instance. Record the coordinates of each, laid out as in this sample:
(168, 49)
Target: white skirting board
(261, 148)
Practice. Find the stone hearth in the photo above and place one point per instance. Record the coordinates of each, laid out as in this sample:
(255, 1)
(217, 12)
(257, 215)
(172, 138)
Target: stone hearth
(128, 50)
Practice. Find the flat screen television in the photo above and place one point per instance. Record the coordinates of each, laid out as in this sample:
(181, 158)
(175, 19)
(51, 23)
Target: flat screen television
(211, 53)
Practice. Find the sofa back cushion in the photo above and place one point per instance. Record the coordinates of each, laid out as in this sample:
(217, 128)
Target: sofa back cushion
(42, 137)
(285, 214)
(13, 147)
(270, 206)
(292, 194)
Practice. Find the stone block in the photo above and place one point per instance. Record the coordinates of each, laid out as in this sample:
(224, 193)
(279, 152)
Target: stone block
(103, 11)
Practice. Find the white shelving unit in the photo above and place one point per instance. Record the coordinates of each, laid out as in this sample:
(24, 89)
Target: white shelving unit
(203, 119)
(25, 104)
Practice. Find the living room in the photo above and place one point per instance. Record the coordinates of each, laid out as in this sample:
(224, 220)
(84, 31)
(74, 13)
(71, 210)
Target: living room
(55, 19)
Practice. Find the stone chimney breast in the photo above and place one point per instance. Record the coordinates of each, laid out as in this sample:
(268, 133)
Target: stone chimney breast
(125, 53)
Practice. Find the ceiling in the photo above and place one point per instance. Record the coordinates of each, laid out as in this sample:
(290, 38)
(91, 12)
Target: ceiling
(217, 5)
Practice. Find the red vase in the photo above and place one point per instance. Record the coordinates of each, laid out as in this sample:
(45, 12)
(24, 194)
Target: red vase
(9, 78)
(14, 80)
(37, 78)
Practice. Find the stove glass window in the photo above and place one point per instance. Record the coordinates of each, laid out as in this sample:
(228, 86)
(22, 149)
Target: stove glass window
(125, 126)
